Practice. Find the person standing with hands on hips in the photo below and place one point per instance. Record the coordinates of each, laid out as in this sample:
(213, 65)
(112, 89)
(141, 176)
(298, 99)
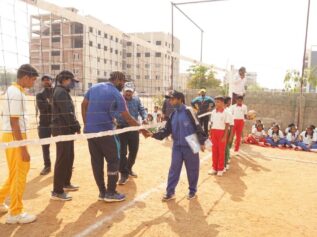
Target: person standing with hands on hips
(64, 122)
(203, 104)
(181, 124)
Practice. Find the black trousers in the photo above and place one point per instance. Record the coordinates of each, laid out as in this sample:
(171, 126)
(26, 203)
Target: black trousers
(129, 142)
(203, 121)
(63, 165)
(45, 132)
(105, 148)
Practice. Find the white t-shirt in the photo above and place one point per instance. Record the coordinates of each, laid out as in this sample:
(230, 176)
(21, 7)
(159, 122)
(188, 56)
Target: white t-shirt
(274, 136)
(291, 137)
(220, 119)
(239, 112)
(228, 110)
(238, 85)
(307, 139)
(14, 105)
(258, 134)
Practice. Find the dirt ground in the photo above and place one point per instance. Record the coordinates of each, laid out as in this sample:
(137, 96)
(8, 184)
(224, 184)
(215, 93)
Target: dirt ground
(267, 192)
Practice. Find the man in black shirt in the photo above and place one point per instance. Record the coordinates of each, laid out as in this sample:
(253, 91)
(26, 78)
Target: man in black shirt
(64, 122)
(44, 105)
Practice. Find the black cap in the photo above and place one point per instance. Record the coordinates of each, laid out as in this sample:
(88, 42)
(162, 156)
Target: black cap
(64, 75)
(176, 94)
(46, 76)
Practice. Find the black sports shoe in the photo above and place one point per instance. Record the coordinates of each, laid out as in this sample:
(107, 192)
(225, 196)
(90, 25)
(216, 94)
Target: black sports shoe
(60, 196)
(134, 175)
(191, 196)
(168, 197)
(71, 188)
(114, 197)
(46, 171)
(123, 180)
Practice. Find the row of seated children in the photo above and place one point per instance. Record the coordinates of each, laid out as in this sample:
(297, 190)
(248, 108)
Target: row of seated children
(306, 140)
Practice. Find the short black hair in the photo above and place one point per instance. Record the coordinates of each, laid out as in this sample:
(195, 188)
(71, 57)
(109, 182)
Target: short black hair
(220, 97)
(117, 75)
(227, 99)
(27, 70)
(240, 97)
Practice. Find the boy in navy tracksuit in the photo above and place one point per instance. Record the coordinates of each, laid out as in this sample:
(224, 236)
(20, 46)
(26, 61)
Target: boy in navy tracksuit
(181, 124)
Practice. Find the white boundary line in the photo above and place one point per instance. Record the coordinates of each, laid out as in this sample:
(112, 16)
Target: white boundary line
(88, 231)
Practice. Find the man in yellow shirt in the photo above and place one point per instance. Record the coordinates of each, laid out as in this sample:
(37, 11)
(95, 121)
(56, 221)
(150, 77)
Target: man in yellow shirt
(18, 158)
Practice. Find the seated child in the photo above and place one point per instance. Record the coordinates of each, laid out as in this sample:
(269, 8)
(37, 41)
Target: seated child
(254, 128)
(275, 137)
(257, 137)
(287, 130)
(307, 140)
(270, 129)
(291, 137)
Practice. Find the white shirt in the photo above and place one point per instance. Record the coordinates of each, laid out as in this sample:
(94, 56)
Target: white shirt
(287, 130)
(258, 134)
(239, 112)
(238, 85)
(219, 119)
(291, 137)
(14, 105)
(274, 136)
(307, 139)
(228, 110)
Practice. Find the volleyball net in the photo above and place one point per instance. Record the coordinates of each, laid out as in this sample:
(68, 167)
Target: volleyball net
(52, 38)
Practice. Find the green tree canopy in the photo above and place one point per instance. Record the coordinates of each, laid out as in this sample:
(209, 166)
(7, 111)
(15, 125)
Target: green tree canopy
(292, 79)
(202, 76)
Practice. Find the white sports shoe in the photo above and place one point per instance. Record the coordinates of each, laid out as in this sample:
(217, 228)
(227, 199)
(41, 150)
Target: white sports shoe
(219, 173)
(23, 218)
(212, 172)
(3, 208)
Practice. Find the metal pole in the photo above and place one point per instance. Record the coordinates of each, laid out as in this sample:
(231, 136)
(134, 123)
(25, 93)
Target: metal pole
(201, 46)
(172, 47)
(299, 120)
(204, 1)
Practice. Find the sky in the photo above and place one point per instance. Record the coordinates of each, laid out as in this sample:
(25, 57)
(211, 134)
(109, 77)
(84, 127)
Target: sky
(265, 36)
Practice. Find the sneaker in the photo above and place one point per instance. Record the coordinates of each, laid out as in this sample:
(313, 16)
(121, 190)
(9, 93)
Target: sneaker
(23, 218)
(134, 175)
(3, 208)
(227, 167)
(45, 171)
(61, 197)
(123, 180)
(212, 172)
(168, 197)
(71, 188)
(114, 197)
(101, 197)
(219, 173)
(191, 196)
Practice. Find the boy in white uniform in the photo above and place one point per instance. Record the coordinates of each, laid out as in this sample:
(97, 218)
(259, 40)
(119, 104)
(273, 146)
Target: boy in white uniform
(18, 158)
(239, 111)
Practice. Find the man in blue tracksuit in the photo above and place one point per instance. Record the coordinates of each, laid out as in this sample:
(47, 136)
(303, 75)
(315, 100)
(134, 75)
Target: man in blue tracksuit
(181, 124)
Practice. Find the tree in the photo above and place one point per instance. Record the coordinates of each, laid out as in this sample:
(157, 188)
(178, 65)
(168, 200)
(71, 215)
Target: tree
(292, 79)
(202, 76)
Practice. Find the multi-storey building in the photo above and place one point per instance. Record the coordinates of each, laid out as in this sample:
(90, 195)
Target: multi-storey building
(150, 69)
(93, 51)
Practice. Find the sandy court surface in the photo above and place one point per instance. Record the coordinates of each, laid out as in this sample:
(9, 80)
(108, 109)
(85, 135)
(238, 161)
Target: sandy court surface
(267, 192)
